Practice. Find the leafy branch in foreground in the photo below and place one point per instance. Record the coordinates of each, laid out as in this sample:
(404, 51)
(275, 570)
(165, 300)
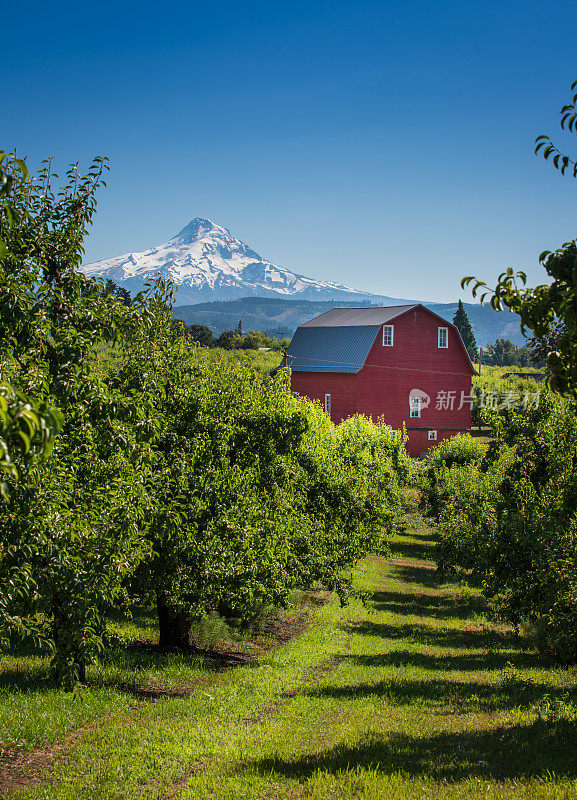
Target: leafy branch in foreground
(27, 432)
(549, 150)
(70, 527)
(548, 311)
(27, 428)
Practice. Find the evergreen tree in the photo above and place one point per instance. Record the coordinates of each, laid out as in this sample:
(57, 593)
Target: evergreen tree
(461, 322)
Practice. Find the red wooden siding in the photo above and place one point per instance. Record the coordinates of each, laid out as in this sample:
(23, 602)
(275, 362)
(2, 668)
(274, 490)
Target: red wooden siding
(416, 362)
(418, 442)
(383, 385)
(341, 386)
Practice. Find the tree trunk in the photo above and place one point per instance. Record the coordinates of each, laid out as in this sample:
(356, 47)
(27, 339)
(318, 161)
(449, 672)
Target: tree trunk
(66, 652)
(175, 626)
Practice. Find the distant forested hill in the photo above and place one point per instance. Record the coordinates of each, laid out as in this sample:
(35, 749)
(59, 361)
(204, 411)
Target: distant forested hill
(278, 316)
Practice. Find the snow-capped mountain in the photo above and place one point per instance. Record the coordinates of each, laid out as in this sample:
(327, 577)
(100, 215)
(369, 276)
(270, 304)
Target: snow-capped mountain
(207, 263)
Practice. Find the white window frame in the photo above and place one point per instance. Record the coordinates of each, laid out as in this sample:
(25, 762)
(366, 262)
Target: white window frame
(390, 328)
(415, 407)
(439, 333)
(295, 394)
(432, 436)
(328, 404)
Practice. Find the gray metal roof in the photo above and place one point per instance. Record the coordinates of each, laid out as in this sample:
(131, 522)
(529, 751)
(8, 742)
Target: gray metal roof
(364, 315)
(330, 349)
(340, 340)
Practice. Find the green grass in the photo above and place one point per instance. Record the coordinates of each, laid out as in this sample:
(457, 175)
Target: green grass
(34, 713)
(108, 358)
(413, 695)
(491, 378)
(262, 360)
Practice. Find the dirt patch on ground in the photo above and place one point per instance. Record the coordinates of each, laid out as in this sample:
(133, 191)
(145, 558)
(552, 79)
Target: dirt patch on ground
(20, 769)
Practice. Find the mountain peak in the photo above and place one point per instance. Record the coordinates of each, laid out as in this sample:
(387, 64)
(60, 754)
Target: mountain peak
(206, 262)
(196, 229)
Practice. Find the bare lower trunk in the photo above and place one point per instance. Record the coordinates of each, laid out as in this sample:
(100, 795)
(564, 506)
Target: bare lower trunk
(68, 661)
(175, 626)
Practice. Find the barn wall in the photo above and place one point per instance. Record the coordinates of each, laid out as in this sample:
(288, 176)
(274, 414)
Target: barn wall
(383, 385)
(418, 443)
(415, 362)
(341, 386)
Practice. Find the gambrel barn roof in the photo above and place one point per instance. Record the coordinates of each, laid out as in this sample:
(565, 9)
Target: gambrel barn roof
(340, 339)
(374, 316)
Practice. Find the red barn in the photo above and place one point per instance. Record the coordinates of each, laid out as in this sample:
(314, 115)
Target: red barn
(403, 363)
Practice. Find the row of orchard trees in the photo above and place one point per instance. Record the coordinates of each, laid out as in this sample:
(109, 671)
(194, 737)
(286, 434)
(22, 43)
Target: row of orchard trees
(196, 487)
(508, 513)
(508, 516)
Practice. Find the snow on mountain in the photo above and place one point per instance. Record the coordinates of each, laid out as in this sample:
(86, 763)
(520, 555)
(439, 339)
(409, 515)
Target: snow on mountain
(207, 263)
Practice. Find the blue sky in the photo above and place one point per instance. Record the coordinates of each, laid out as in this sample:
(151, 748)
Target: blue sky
(388, 146)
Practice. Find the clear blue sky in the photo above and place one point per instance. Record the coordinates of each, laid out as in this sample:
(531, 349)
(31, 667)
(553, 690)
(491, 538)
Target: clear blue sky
(388, 146)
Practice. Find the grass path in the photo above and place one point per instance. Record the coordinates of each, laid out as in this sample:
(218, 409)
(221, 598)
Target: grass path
(415, 695)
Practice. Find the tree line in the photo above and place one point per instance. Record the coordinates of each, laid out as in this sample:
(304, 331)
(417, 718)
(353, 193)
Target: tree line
(503, 352)
(235, 339)
(227, 340)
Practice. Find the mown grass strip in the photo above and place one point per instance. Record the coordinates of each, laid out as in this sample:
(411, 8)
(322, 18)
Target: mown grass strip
(417, 695)
(145, 751)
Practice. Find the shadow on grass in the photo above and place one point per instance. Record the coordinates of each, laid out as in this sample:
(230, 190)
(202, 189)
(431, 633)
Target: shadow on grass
(421, 535)
(514, 752)
(124, 663)
(142, 668)
(471, 662)
(412, 550)
(457, 696)
(439, 637)
(428, 605)
(30, 678)
(416, 573)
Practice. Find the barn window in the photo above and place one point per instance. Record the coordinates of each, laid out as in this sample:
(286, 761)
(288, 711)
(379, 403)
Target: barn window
(295, 394)
(415, 406)
(388, 333)
(327, 404)
(432, 436)
(443, 337)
